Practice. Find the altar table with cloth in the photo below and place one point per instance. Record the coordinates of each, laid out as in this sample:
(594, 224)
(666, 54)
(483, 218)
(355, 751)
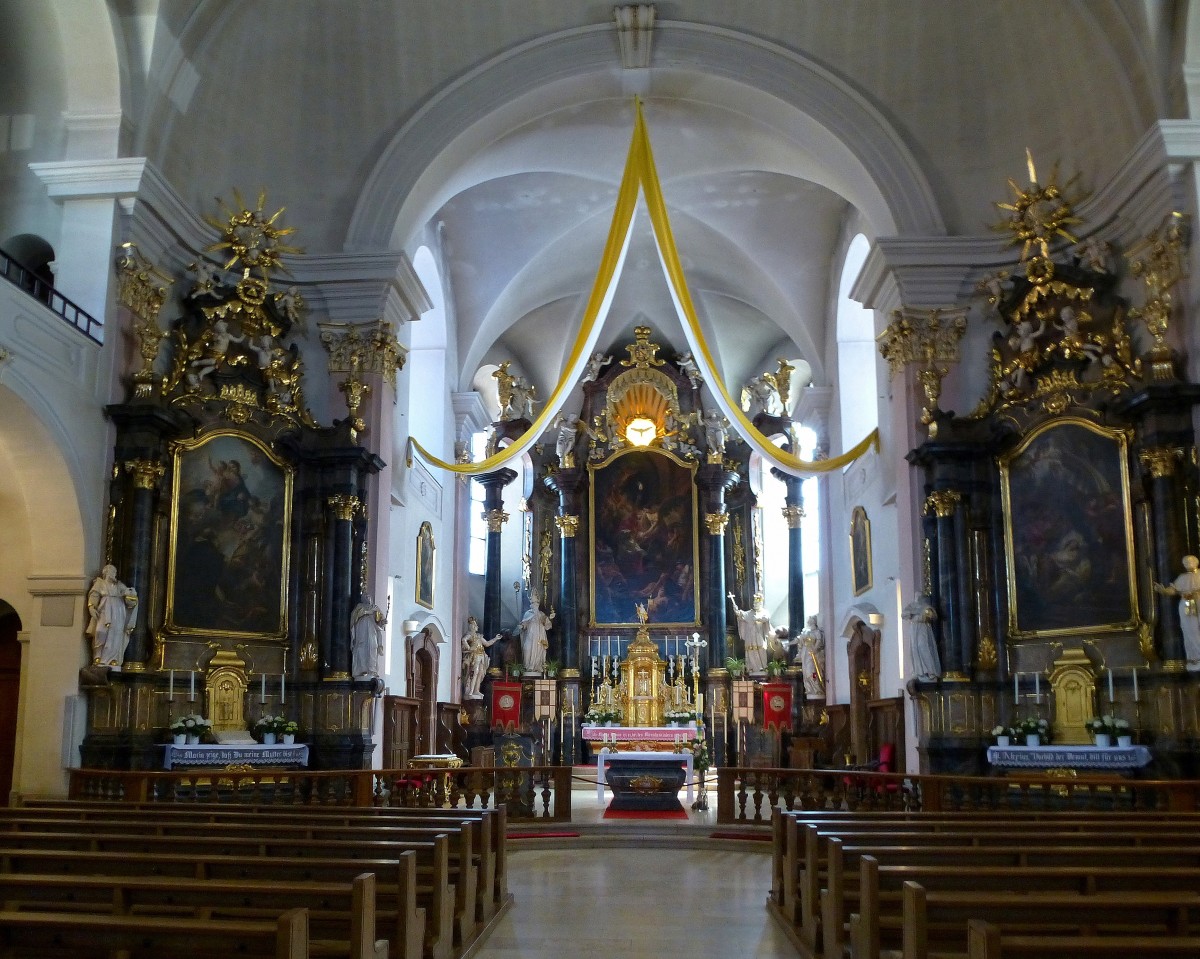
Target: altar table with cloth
(670, 737)
(1098, 758)
(229, 754)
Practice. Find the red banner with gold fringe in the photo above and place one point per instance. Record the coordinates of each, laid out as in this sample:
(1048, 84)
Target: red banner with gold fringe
(506, 705)
(777, 705)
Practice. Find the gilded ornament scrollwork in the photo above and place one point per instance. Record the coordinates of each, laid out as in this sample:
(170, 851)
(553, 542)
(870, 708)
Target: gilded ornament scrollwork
(567, 525)
(739, 554)
(495, 519)
(343, 506)
(142, 287)
(146, 473)
(793, 515)
(1160, 262)
(930, 340)
(987, 658)
(715, 523)
(942, 503)
(1160, 461)
(372, 346)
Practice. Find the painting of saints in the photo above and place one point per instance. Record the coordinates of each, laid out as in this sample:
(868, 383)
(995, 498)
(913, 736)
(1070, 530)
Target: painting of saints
(644, 539)
(229, 563)
(1069, 567)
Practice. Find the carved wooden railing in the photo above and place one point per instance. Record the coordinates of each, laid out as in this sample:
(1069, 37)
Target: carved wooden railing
(530, 793)
(749, 795)
(39, 289)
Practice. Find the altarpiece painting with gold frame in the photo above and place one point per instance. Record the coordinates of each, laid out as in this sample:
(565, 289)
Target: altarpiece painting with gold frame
(229, 548)
(860, 550)
(425, 557)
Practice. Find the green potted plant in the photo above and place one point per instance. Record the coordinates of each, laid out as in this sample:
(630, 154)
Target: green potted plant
(270, 728)
(736, 667)
(515, 670)
(1036, 731)
(678, 717)
(189, 729)
(1005, 735)
(775, 668)
(1108, 728)
(551, 668)
(288, 730)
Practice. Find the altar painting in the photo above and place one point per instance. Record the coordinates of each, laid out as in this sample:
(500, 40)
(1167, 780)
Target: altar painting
(644, 545)
(229, 538)
(1069, 531)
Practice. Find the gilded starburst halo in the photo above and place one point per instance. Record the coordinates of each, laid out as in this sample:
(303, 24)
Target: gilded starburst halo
(1039, 213)
(250, 235)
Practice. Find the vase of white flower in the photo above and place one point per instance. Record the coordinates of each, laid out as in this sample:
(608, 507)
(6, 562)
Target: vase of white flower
(1103, 740)
(180, 739)
(1124, 742)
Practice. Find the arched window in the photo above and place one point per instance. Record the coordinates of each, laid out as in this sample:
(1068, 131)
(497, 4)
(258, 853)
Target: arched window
(858, 390)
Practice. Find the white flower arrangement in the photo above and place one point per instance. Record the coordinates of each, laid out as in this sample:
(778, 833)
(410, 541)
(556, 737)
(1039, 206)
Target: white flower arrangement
(679, 715)
(1108, 725)
(190, 725)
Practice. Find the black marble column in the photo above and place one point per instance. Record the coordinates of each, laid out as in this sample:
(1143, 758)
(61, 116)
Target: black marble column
(714, 480)
(956, 660)
(1162, 488)
(567, 483)
(493, 510)
(793, 513)
(145, 476)
(340, 582)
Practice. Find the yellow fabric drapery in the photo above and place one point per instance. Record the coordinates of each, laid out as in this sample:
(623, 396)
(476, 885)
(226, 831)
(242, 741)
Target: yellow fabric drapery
(640, 171)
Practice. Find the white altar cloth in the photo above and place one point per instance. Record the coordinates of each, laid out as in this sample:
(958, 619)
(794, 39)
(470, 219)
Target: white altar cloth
(647, 734)
(224, 754)
(605, 755)
(1115, 758)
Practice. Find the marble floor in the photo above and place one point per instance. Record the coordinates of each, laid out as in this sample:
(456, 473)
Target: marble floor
(630, 903)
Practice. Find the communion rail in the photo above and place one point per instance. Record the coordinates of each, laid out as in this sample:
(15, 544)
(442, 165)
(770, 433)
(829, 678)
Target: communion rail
(543, 793)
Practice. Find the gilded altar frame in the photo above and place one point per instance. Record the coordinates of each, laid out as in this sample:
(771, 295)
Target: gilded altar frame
(612, 539)
(1088, 547)
(230, 537)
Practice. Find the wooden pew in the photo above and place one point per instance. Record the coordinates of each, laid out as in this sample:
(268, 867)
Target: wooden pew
(341, 916)
(880, 897)
(490, 840)
(843, 861)
(428, 927)
(942, 916)
(987, 941)
(290, 839)
(54, 934)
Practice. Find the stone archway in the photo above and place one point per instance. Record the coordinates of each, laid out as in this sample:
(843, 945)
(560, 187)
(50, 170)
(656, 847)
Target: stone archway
(10, 692)
(862, 667)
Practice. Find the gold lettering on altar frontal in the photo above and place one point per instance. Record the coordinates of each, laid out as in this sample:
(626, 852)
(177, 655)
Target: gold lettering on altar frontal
(715, 523)
(942, 503)
(495, 518)
(793, 515)
(1159, 461)
(567, 525)
(146, 473)
(344, 507)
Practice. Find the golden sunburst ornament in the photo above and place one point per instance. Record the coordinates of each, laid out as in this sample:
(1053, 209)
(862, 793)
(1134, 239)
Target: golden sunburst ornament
(251, 236)
(1038, 215)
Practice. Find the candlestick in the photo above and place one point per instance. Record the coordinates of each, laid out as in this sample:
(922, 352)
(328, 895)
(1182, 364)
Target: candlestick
(1037, 688)
(1016, 689)
(192, 685)
(262, 687)
(1110, 686)
(171, 688)
(1136, 698)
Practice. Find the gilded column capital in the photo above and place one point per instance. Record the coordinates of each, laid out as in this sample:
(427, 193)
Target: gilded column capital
(716, 522)
(146, 473)
(567, 525)
(793, 515)
(1160, 461)
(496, 518)
(942, 503)
(344, 506)
(371, 347)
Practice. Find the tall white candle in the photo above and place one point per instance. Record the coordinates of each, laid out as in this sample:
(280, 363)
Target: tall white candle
(282, 688)
(1016, 689)
(1037, 688)
(191, 685)
(1110, 686)
(171, 688)
(1136, 697)
(262, 688)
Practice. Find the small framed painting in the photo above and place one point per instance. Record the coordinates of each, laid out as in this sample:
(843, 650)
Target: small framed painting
(425, 553)
(860, 550)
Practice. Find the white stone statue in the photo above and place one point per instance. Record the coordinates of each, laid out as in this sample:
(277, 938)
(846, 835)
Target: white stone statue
(1187, 587)
(687, 363)
(755, 631)
(594, 366)
(1093, 253)
(568, 426)
(524, 394)
(215, 345)
(926, 663)
(716, 431)
(534, 626)
(366, 638)
(112, 614)
(810, 656)
(475, 658)
(207, 279)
